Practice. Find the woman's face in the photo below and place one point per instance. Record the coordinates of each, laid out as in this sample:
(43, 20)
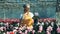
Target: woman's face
(26, 9)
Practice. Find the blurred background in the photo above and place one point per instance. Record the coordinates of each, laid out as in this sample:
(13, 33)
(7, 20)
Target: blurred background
(13, 8)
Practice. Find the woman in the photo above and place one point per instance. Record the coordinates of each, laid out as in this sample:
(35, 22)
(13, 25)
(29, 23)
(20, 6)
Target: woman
(27, 17)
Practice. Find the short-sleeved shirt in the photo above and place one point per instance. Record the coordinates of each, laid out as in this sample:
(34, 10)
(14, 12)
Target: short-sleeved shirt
(27, 19)
(31, 14)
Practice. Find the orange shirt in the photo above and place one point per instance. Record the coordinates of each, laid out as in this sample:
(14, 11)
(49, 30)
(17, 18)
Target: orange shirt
(27, 19)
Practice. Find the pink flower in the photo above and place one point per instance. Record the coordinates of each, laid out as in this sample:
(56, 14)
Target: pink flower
(58, 30)
(47, 32)
(33, 31)
(26, 31)
(49, 28)
(40, 28)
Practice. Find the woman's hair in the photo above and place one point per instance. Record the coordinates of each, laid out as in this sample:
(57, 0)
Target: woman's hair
(26, 5)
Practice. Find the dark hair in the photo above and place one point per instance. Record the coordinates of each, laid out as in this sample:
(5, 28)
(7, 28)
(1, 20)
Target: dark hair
(24, 6)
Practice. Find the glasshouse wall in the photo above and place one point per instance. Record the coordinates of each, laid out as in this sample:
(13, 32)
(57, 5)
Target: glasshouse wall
(13, 8)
